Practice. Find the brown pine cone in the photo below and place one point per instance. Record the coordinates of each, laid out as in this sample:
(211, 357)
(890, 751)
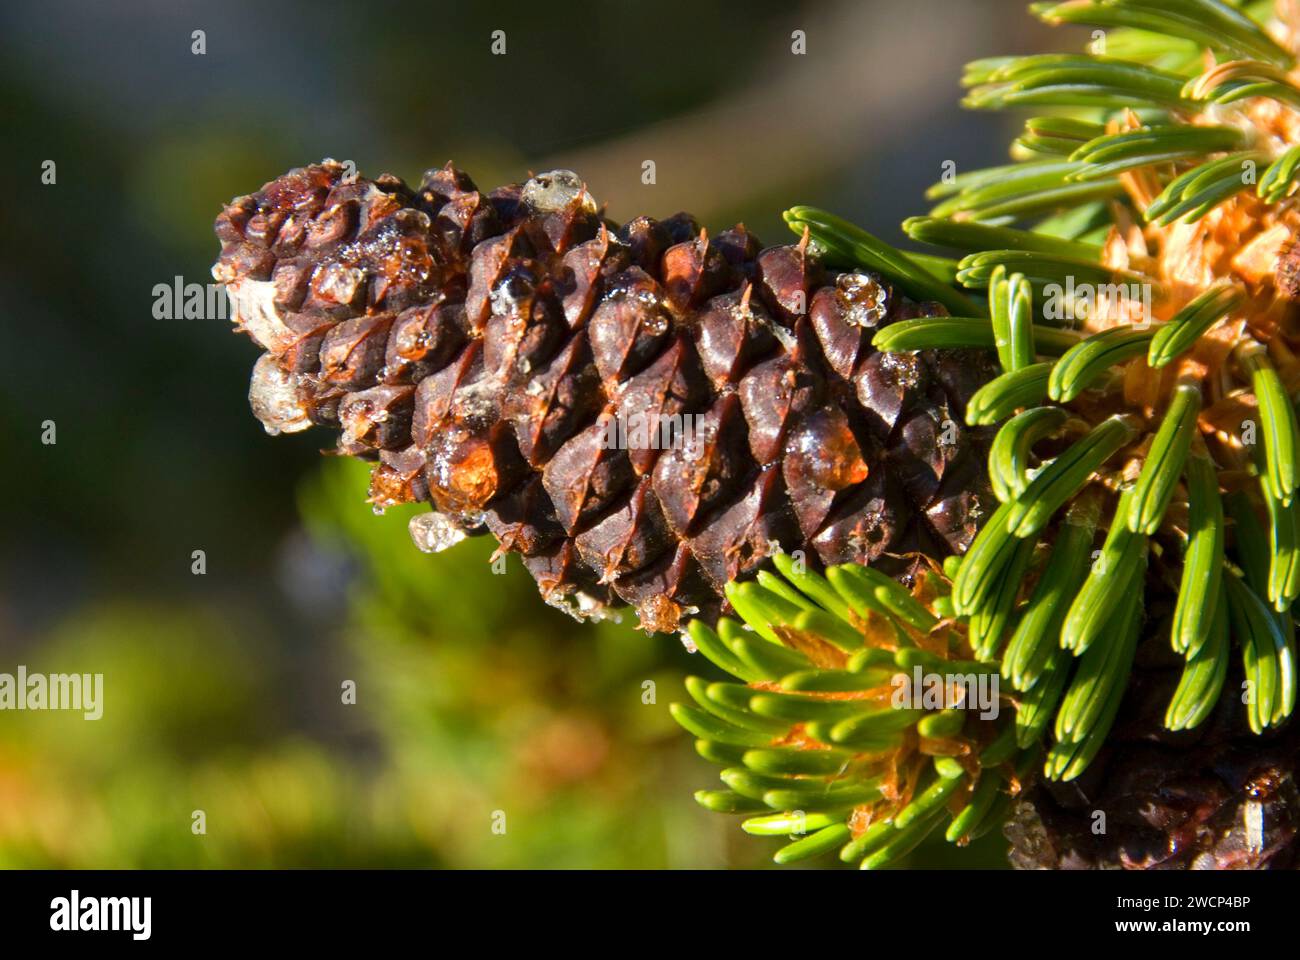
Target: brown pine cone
(641, 412)
(1213, 798)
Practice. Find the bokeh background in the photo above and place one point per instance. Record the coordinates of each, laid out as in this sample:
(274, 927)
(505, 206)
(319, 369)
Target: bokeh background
(223, 691)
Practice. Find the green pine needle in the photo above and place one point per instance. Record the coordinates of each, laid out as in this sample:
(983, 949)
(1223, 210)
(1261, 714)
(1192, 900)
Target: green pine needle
(1268, 656)
(1198, 191)
(1164, 461)
(1012, 448)
(1041, 269)
(954, 333)
(1084, 364)
(1036, 639)
(1280, 177)
(1005, 394)
(1089, 706)
(1062, 479)
(1198, 591)
(965, 235)
(1180, 334)
(1011, 307)
(1278, 426)
(1203, 676)
(1112, 579)
(1240, 80)
(1021, 191)
(1077, 80)
(1209, 23)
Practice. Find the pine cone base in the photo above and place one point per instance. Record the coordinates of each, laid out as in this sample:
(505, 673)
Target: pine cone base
(1216, 798)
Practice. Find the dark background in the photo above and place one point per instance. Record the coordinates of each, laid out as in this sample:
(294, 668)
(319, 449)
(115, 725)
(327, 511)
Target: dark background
(222, 690)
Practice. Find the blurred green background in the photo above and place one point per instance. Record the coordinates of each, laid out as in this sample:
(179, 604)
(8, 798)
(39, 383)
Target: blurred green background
(223, 691)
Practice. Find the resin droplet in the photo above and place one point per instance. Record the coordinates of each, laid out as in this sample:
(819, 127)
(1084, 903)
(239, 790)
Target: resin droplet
(866, 299)
(273, 395)
(555, 190)
(582, 607)
(434, 532)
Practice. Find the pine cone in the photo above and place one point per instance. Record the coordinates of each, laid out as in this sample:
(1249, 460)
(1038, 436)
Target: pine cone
(642, 412)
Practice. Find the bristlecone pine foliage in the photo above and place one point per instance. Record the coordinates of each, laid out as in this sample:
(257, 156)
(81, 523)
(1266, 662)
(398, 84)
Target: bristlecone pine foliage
(1133, 272)
(1153, 217)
